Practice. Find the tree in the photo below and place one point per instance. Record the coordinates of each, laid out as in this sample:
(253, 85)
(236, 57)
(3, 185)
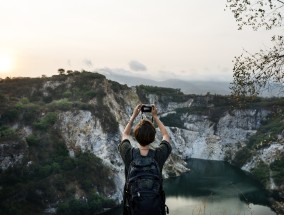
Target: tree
(61, 71)
(69, 72)
(253, 73)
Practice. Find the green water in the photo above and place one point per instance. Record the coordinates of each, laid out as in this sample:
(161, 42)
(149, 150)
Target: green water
(213, 188)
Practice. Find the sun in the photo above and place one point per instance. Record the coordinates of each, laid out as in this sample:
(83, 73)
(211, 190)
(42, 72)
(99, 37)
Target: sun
(5, 62)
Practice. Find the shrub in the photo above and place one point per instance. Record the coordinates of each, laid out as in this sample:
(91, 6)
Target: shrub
(95, 203)
(107, 119)
(116, 87)
(7, 133)
(165, 94)
(277, 168)
(83, 106)
(62, 104)
(198, 110)
(174, 119)
(47, 99)
(24, 100)
(30, 113)
(87, 184)
(44, 171)
(32, 140)
(68, 164)
(98, 174)
(48, 120)
(67, 94)
(10, 115)
(267, 132)
(89, 95)
(241, 157)
(22, 87)
(261, 172)
(73, 207)
(59, 183)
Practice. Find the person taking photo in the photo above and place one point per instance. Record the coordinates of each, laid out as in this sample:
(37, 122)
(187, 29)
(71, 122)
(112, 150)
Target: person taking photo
(143, 190)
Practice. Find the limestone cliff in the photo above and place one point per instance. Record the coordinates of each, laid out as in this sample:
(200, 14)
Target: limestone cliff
(91, 113)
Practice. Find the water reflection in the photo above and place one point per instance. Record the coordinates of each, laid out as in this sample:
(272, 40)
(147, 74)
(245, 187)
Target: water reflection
(213, 188)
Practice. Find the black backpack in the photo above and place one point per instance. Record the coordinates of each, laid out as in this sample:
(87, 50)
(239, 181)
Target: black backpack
(143, 190)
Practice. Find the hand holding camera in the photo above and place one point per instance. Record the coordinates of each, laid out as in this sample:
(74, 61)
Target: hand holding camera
(150, 108)
(146, 108)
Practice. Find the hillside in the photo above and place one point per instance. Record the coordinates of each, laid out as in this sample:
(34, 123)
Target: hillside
(59, 136)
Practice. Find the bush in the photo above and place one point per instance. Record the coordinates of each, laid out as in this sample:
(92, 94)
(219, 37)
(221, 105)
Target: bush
(267, 132)
(117, 87)
(59, 183)
(62, 104)
(67, 94)
(261, 172)
(22, 87)
(89, 95)
(83, 106)
(73, 207)
(241, 157)
(107, 119)
(277, 168)
(93, 204)
(98, 174)
(44, 171)
(68, 164)
(10, 115)
(165, 94)
(47, 99)
(30, 113)
(7, 133)
(32, 140)
(48, 120)
(173, 120)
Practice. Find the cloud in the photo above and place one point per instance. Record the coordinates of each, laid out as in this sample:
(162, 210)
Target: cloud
(88, 63)
(137, 66)
(113, 71)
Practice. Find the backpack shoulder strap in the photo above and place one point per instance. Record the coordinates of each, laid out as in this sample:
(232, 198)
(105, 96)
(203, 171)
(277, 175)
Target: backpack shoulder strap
(151, 153)
(135, 153)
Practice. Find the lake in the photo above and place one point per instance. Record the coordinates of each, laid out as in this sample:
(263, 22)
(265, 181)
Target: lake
(213, 188)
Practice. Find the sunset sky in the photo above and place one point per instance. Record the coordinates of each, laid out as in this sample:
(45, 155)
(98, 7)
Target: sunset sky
(157, 39)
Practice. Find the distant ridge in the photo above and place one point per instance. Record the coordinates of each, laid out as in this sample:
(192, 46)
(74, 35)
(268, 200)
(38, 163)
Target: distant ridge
(187, 87)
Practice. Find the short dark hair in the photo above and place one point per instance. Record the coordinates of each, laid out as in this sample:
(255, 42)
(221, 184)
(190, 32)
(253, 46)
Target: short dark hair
(145, 132)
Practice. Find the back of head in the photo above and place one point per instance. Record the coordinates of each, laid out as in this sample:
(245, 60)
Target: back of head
(145, 132)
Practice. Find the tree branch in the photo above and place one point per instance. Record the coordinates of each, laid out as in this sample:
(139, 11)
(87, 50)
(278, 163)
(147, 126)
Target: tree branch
(280, 1)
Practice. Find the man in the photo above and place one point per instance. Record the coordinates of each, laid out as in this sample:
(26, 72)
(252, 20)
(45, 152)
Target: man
(144, 133)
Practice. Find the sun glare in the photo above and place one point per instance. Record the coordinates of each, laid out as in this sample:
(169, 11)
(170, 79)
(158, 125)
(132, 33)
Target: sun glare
(5, 62)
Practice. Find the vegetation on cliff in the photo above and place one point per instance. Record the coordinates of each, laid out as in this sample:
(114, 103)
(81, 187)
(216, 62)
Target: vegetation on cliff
(47, 175)
(81, 184)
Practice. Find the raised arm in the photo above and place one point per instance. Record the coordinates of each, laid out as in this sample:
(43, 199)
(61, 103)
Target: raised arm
(160, 124)
(127, 130)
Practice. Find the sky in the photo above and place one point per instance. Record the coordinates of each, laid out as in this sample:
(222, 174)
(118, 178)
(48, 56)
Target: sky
(156, 39)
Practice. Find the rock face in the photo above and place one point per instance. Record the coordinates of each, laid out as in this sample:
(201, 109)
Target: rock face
(205, 140)
(82, 131)
(11, 153)
(199, 137)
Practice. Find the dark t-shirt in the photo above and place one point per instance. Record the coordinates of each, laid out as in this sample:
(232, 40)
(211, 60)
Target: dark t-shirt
(161, 155)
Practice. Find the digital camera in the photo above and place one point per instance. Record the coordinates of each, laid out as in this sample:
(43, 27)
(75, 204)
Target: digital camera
(146, 108)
